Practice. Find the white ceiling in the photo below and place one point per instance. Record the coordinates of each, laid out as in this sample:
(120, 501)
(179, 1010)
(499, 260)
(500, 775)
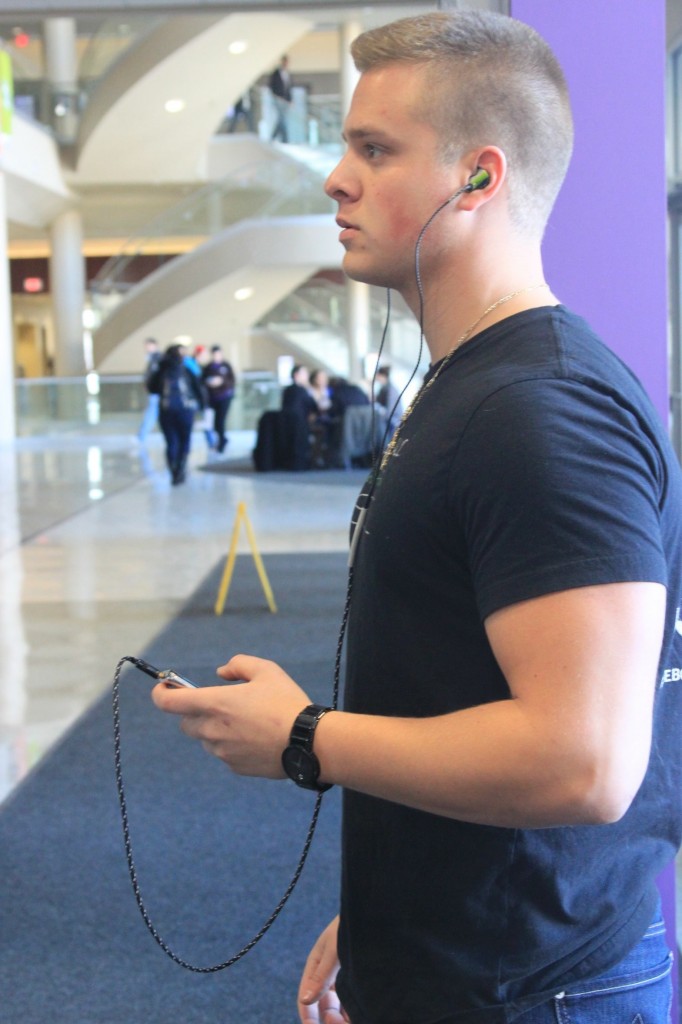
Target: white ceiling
(126, 135)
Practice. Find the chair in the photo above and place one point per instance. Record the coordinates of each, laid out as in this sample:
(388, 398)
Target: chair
(358, 442)
(282, 442)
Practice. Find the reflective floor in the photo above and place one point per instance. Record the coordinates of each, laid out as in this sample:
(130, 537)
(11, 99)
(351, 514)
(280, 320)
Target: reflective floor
(98, 553)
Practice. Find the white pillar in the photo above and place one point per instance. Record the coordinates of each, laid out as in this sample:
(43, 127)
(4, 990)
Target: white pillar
(358, 293)
(61, 63)
(61, 71)
(67, 285)
(358, 328)
(13, 646)
(7, 368)
(348, 72)
(67, 267)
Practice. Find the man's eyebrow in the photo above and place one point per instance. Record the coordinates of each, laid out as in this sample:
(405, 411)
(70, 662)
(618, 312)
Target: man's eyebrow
(357, 134)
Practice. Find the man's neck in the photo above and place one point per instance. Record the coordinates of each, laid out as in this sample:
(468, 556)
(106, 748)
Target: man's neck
(458, 304)
(446, 333)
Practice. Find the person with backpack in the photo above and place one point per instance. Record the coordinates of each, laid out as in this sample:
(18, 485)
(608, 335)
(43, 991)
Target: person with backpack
(181, 396)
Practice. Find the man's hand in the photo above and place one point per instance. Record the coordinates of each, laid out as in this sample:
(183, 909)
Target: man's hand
(318, 1002)
(246, 725)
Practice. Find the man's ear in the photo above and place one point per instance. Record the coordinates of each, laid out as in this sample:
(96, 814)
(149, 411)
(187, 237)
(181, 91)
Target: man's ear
(487, 173)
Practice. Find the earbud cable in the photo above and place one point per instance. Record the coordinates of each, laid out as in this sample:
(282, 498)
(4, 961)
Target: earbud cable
(132, 870)
(362, 506)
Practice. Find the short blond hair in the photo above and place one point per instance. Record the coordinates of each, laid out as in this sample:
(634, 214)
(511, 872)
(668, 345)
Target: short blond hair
(492, 80)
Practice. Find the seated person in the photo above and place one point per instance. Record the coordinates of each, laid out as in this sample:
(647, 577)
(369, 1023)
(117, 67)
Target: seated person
(344, 396)
(319, 389)
(293, 424)
(322, 426)
(296, 397)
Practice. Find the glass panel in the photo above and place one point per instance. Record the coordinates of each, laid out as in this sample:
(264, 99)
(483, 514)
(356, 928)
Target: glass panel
(258, 190)
(109, 42)
(315, 319)
(114, 405)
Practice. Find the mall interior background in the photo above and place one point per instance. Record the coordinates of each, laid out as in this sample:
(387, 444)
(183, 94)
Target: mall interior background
(129, 209)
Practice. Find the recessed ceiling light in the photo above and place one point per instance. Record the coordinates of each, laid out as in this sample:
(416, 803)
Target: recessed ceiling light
(238, 46)
(174, 106)
(243, 293)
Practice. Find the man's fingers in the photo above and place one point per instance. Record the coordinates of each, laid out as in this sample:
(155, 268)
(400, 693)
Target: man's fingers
(241, 666)
(178, 700)
(321, 967)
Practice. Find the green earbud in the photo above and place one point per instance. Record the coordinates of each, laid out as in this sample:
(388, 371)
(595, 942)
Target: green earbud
(478, 180)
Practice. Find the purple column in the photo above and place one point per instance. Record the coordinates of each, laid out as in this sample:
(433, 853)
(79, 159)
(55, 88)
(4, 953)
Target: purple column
(605, 246)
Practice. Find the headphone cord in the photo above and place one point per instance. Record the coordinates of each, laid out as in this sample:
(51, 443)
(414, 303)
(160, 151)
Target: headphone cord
(420, 290)
(363, 505)
(125, 823)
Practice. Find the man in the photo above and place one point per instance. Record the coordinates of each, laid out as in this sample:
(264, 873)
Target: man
(293, 427)
(509, 745)
(243, 111)
(388, 397)
(297, 398)
(280, 87)
(218, 376)
(152, 358)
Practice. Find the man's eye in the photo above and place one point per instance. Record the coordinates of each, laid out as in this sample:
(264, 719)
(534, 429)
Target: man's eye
(372, 151)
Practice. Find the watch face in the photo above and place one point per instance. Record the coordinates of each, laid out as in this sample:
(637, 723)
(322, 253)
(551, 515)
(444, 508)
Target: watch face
(300, 765)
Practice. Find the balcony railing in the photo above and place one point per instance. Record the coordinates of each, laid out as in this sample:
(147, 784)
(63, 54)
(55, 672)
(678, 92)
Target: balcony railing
(114, 405)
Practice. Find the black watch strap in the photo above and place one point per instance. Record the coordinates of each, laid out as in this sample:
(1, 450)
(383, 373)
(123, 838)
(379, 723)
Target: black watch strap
(305, 724)
(305, 768)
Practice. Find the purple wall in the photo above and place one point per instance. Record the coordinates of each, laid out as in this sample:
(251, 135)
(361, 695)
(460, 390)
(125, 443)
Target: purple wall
(605, 247)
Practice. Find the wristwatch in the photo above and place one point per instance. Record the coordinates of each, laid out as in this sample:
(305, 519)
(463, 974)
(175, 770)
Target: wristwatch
(298, 759)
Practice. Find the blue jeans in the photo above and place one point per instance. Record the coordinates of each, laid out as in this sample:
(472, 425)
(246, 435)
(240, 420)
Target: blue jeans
(150, 418)
(638, 990)
(176, 425)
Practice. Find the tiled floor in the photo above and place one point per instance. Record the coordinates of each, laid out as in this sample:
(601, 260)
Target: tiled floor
(98, 552)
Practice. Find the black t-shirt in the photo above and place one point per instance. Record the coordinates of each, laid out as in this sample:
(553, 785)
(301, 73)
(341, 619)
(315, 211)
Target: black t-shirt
(297, 399)
(534, 464)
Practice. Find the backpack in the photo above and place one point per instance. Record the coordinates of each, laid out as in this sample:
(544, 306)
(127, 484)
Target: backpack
(176, 391)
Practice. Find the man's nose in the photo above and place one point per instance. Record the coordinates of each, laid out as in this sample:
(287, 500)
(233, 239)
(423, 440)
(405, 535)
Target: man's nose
(336, 186)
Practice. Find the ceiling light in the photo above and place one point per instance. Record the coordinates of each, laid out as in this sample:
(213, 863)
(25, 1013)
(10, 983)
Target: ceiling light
(238, 46)
(174, 106)
(243, 293)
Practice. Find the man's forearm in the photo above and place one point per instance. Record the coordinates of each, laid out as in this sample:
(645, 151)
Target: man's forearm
(496, 764)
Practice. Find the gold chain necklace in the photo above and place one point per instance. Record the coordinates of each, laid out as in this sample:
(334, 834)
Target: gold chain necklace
(392, 444)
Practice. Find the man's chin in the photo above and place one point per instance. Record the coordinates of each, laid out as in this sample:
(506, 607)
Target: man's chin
(364, 273)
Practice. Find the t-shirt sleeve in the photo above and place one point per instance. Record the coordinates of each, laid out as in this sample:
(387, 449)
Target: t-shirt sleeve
(558, 486)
